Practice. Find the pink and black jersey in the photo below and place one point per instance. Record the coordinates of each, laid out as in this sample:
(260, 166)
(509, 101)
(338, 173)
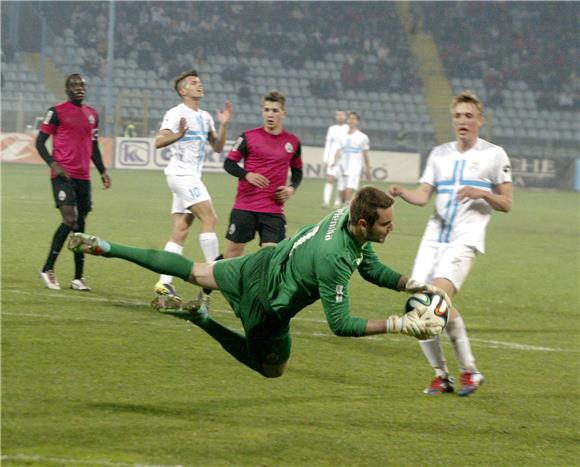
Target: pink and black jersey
(271, 156)
(73, 129)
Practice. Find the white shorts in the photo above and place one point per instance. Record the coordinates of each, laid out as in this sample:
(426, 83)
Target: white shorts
(350, 179)
(332, 171)
(187, 191)
(451, 262)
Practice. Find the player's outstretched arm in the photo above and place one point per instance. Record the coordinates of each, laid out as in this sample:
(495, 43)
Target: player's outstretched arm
(409, 324)
(419, 197)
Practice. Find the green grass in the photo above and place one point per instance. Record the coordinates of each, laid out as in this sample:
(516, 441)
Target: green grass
(101, 379)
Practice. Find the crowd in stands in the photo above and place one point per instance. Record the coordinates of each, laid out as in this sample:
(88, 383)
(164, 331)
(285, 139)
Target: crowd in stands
(353, 46)
(168, 34)
(505, 42)
(497, 43)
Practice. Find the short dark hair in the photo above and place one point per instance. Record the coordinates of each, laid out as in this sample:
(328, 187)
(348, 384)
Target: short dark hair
(365, 203)
(69, 78)
(275, 96)
(181, 77)
(356, 114)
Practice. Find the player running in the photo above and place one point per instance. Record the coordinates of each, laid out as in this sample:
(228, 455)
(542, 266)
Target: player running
(471, 177)
(187, 129)
(268, 288)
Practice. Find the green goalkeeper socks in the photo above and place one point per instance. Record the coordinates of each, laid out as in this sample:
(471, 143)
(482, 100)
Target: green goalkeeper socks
(232, 342)
(162, 262)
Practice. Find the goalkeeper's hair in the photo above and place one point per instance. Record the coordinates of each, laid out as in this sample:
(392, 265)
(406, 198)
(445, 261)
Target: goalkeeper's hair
(177, 82)
(468, 97)
(367, 200)
(275, 96)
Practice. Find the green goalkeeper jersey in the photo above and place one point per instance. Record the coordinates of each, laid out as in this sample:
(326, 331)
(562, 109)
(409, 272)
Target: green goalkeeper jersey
(317, 262)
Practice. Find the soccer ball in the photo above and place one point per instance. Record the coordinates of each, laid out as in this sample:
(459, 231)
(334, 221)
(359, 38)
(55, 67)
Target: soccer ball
(437, 308)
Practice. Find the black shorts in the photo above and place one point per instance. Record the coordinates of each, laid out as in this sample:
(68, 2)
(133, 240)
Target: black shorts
(72, 192)
(244, 225)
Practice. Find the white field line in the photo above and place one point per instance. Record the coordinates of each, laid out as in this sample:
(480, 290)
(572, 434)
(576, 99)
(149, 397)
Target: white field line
(61, 460)
(492, 344)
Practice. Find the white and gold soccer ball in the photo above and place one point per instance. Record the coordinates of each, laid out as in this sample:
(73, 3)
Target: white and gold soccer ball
(430, 307)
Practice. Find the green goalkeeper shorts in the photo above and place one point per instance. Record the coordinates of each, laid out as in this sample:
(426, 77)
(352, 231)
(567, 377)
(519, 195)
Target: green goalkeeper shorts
(242, 281)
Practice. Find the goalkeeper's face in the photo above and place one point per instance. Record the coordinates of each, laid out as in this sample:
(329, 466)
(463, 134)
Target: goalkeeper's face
(382, 227)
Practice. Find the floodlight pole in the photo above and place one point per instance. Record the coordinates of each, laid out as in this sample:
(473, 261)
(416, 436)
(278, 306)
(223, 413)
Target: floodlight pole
(109, 117)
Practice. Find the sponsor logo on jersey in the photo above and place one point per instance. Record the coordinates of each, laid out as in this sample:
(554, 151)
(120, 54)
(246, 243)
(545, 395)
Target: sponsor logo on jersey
(289, 148)
(333, 224)
(506, 169)
(92, 119)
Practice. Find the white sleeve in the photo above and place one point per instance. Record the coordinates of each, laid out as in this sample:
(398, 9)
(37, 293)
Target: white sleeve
(327, 146)
(429, 172)
(210, 123)
(502, 170)
(171, 121)
(366, 145)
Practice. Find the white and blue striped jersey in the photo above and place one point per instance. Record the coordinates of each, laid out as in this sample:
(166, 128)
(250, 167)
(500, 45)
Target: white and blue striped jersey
(332, 143)
(448, 170)
(188, 153)
(352, 146)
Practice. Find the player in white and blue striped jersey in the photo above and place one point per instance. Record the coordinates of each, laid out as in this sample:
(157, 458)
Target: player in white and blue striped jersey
(187, 130)
(470, 177)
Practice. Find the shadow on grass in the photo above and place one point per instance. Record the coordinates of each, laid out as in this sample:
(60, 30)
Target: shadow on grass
(214, 406)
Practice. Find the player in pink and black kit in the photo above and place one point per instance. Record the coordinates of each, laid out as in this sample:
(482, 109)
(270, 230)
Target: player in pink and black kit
(74, 129)
(268, 152)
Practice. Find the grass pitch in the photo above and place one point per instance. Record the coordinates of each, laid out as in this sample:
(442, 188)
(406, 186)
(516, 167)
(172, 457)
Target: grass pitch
(100, 378)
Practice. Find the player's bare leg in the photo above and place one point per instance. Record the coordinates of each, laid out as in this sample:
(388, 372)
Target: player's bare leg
(69, 217)
(166, 294)
(208, 240)
(328, 188)
(348, 194)
(233, 249)
(471, 378)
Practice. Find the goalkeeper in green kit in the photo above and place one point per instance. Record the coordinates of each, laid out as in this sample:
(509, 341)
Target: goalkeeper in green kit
(267, 288)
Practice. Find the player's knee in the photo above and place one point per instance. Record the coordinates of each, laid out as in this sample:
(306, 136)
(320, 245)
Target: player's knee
(69, 215)
(209, 222)
(233, 251)
(454, 314)
(69, 220)
(274, 371)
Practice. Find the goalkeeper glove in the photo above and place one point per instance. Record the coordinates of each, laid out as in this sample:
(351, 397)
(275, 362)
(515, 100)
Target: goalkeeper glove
(417, 323)
(409, 324)
(412, 286)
